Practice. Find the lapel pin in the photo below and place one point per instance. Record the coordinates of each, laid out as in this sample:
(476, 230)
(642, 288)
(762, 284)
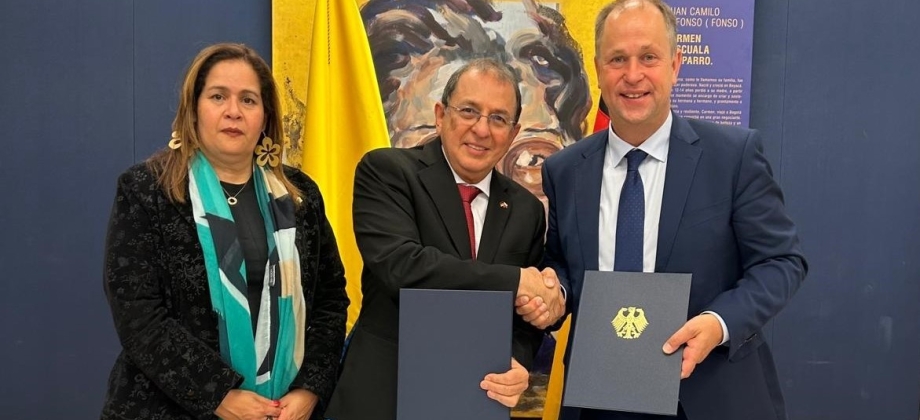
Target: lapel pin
(503, 205)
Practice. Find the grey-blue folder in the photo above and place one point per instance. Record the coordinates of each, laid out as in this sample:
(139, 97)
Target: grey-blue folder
(448, 341)
(616, 361)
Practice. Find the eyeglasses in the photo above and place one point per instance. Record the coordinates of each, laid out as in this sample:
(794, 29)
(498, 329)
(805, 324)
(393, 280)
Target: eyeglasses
(472, 116)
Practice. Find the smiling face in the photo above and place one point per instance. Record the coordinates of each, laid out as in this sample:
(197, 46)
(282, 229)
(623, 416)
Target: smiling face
(474, 146)
(636, 68)
(230, 114)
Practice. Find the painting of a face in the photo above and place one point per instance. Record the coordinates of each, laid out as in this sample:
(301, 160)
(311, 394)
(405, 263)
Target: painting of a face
(418, 44)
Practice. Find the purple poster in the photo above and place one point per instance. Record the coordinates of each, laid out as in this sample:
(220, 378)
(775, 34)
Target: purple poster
(715, 37)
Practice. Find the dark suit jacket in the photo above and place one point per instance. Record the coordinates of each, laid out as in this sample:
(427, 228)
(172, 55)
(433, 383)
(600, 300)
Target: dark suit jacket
(723, 220)
(411, 232)
(157, 286)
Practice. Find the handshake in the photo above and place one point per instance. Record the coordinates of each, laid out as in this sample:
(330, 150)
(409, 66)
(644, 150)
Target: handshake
(539, 297)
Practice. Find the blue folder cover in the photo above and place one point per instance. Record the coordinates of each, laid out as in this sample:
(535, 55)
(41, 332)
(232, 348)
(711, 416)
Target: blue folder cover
(616, 361)
(448, 341)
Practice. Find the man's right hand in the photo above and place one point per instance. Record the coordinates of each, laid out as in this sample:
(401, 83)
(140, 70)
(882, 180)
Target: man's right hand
(539, 300)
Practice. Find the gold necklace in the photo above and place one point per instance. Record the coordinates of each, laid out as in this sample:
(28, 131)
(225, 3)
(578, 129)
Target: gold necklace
(231, 198)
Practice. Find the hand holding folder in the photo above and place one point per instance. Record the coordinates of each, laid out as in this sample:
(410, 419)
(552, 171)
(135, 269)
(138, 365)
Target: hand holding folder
(616, 361)
(507, 387)
(450, 341)
(699, 336)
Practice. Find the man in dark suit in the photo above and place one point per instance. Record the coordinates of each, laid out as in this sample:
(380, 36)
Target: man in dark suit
(708, 205)
(412, 231)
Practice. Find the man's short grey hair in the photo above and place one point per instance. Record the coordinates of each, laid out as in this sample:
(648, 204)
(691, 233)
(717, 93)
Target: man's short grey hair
(486, 65)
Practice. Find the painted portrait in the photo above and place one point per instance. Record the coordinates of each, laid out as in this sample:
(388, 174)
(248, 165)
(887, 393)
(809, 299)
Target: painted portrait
(417, 44)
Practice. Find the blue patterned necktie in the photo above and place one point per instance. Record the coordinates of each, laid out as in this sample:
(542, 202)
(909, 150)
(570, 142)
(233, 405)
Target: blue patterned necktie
(631, 217)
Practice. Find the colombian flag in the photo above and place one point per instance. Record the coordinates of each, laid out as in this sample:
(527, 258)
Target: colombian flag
(344, 120)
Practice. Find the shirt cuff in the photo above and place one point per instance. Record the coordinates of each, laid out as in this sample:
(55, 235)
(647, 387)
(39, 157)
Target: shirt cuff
(722, 323)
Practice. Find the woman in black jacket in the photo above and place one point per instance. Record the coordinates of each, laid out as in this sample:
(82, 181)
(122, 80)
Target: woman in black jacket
(221, 269)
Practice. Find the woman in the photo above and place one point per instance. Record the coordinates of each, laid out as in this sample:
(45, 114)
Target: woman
(221, 269)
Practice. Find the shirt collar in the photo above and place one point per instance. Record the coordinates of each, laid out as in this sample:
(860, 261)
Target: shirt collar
(656, 145)
(484, 185)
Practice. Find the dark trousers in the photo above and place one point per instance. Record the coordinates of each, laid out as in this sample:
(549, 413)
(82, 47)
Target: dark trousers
(573, 413)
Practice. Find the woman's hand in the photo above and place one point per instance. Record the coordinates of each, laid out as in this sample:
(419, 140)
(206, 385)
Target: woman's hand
(298, 404)
(247, 405)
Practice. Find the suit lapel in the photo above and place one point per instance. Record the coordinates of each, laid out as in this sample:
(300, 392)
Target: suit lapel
(588, 198)
(439, 183)
(683, 156)
(496, 219)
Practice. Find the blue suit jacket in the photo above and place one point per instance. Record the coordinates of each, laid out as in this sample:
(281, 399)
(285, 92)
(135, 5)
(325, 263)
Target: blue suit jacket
(723, 220)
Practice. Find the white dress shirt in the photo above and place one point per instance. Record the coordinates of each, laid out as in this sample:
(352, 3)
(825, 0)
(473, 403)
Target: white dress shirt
(652, 170)
(480, 203)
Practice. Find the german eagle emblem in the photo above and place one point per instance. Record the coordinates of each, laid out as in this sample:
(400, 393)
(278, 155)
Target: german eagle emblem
(629, 322)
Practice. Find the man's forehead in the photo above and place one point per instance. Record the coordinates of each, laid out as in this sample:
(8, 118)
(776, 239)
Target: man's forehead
(625, 46)
(469, 90)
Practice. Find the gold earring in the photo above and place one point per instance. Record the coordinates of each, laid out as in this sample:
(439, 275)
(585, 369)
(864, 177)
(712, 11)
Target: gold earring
(268, 152)
(175, 142)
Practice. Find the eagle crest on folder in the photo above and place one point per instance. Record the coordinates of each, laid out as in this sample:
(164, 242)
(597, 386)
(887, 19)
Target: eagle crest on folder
(629, 322)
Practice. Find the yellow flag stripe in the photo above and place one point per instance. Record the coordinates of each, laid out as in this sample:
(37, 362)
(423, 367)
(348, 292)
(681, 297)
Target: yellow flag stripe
(343, 119)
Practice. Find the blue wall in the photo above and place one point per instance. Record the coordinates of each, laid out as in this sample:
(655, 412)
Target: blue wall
(835, 89)
(88, 88)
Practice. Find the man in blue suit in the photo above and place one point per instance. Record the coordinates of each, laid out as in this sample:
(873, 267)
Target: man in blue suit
(707, 205)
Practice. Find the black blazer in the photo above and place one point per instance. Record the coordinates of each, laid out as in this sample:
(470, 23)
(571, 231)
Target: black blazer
(411, 232)
(155, 279)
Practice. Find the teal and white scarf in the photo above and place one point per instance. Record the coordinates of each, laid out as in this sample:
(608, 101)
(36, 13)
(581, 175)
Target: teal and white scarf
(282, 314)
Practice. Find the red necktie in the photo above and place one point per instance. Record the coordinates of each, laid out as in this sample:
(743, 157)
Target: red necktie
(467, 194)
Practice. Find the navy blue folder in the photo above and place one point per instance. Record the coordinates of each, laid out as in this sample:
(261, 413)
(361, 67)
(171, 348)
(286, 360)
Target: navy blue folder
(448, 341)
(616, 360)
